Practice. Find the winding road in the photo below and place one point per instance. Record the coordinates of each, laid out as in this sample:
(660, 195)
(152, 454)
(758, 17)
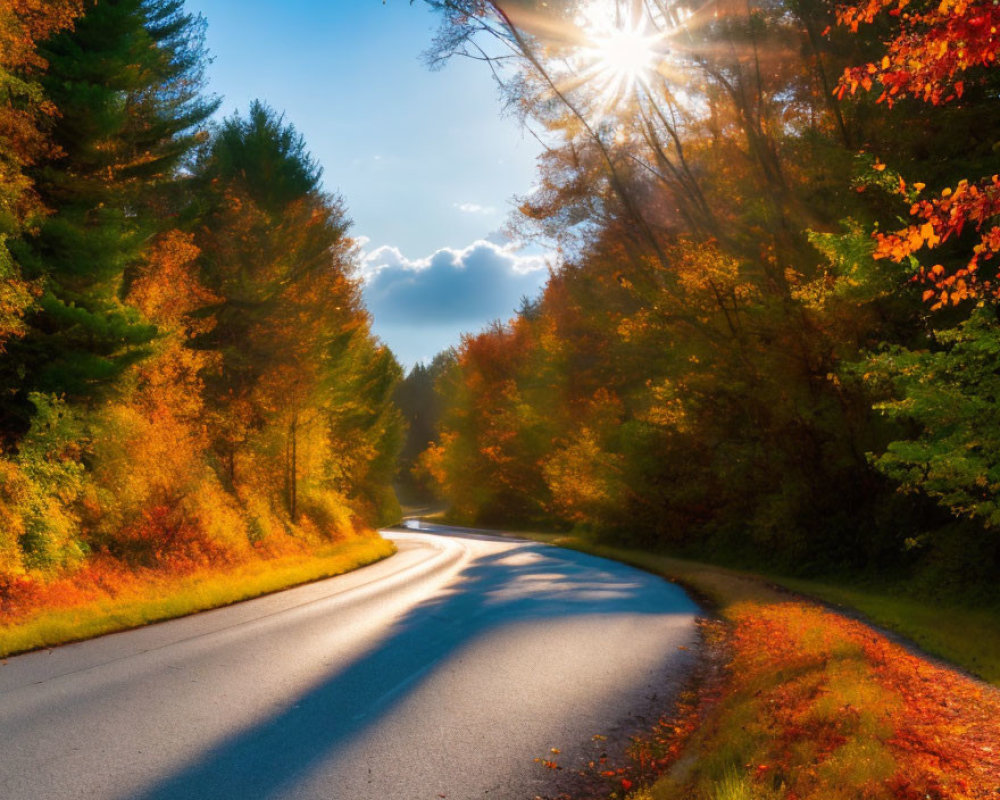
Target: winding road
(441, 672)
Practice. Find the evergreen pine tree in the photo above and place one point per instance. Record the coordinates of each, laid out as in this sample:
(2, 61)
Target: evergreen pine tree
(127, 81)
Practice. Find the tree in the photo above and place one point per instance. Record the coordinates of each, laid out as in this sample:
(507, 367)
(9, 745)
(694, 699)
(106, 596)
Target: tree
(288, 318)
(270, 246)
(935, 55)
(421, 406)
(692, 342)
(126, 81)
(941, 391)
(24, 112)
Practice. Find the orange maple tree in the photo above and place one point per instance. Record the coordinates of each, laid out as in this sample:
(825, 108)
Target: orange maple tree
(933, 49)
(23, 24)
(23, 111)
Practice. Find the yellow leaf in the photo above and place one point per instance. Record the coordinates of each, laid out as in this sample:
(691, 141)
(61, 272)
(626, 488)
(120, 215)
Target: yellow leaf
(927, 232)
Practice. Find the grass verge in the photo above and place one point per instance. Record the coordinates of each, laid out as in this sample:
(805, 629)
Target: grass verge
(161, 597)
(967, 637)
(814, 705)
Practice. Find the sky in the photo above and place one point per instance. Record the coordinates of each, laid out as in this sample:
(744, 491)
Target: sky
(425, 161)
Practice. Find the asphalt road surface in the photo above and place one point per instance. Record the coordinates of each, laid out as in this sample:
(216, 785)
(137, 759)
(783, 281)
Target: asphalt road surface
(441, 672)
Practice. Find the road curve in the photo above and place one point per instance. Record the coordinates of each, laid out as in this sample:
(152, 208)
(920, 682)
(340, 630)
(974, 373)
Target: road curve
(442, 671)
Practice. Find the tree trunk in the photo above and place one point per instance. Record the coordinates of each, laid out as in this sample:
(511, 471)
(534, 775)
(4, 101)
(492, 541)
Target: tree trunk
(291, 467)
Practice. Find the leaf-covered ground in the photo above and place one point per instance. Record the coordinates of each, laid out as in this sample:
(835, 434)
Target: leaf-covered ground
(800, 702)
(816, 705)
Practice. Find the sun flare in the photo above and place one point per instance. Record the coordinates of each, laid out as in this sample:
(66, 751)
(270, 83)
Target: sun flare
(618, 56)
(625, 55)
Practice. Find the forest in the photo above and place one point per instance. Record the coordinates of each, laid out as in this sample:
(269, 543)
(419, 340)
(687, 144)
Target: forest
(189, 379)
(773, 337)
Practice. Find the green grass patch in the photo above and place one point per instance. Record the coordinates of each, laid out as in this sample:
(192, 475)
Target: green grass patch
(733, 786)
(168, 597)
(968, 637)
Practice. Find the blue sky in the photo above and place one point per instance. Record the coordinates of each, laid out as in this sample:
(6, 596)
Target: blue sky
(424, 160)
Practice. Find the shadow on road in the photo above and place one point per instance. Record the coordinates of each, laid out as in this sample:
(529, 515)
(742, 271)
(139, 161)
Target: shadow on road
(527, 583)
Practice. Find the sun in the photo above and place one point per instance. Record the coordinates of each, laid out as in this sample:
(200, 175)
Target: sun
(616, 58)
(625, 56)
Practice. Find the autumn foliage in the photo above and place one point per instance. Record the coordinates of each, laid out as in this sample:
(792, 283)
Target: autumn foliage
(929, 54)
(24, 112)
(727, 362)
(969, 207)
(934, 53)
(190, 384)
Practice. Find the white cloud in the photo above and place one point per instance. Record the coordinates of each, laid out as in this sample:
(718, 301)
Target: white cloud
(474, 208)
(508, 256)
(471, 286)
